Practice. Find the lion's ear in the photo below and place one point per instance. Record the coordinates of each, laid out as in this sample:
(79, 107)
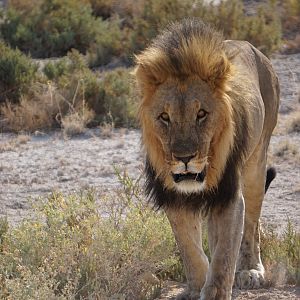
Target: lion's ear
(151, 68)
(145, 78)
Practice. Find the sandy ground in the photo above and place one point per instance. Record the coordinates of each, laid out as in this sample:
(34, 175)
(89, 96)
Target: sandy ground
(171, 289)
(33, 166)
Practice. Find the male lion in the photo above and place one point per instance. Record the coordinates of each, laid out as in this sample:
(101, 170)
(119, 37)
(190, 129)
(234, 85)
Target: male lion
(208, 111)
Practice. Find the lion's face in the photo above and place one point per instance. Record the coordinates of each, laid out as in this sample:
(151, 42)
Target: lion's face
(185, 118)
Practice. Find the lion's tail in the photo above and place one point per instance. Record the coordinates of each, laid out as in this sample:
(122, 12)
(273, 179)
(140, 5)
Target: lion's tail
(271, 174)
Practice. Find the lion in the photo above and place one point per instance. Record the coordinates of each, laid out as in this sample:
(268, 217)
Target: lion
(207, 113)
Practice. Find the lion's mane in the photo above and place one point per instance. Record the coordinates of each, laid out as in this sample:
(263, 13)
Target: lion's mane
(186, 49)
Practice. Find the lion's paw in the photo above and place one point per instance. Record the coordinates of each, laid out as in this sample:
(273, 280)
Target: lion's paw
(188, 295)
(212, 292)
(249, 279)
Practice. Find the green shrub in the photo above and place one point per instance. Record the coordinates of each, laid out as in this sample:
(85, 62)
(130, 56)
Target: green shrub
(108, 43)
(292, 7)
(119, 98)
(54, 70)
(103, 8)
(263, 29)
(17, 72)
(76, 83)
(111, 94)
(156, 15)
(51, 29)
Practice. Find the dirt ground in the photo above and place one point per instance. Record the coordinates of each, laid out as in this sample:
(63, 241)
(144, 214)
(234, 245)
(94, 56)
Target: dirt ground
(171, 289)
(33, 166)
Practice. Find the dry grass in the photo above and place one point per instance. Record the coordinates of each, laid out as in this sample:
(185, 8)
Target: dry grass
(14, 143)
(35, 111)
(286, 150)
(293, 45)
(75, 122)
(46, 108)
(107, 128)
(294, 123)
(281, 255)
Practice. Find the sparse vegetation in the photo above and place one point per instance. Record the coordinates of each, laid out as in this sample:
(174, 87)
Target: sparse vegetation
(14, 143)
(76, 249)
(281, 254)
(286, 149)
(72, 89)
(76, 122)
(294, 123)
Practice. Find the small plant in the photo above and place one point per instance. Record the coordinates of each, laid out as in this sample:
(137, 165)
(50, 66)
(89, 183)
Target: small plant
(54, 70)
(286, 149)
(281, 255)
(14, 143)
(76, 122)
(294, 123)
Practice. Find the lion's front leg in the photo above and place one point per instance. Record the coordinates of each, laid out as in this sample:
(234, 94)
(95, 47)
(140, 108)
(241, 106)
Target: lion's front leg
(186, 225)
(225, 229)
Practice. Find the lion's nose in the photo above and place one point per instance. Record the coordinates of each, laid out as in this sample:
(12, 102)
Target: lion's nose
(185, 159)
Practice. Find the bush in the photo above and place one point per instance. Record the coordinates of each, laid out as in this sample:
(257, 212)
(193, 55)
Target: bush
(154, 16)
(111, 94)
(58, 103)
(75, 122)
(103, 8)
(73, 89)
(281, 255)
(108, 43)
(263, 29)
(119, 98)
(17, 72)
(29, 115)
(73, 250)
(52, 28)
(76, 83)
(54, 70)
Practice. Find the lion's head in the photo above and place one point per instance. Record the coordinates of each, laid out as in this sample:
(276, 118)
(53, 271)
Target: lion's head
(186, 114)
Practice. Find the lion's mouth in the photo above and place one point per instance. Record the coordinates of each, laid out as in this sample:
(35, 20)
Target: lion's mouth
(189, 176)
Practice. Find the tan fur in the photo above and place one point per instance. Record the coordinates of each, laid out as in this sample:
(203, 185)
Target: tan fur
(237, 86)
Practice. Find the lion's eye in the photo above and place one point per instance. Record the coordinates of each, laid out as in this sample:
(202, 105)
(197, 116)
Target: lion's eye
(201, 115)
(165, 118)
